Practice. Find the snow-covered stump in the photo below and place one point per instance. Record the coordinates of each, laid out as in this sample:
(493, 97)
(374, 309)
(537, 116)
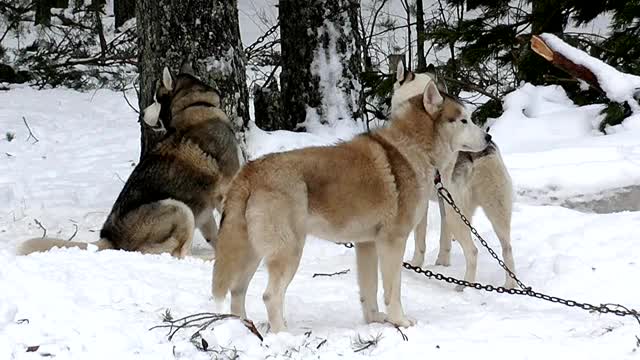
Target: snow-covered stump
(619, 87)
(207, 33)
(321, 62)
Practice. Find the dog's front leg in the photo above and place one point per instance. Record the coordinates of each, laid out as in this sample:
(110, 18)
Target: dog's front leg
(390, 252)
(367, 262)
(444, 253)
(420, 240)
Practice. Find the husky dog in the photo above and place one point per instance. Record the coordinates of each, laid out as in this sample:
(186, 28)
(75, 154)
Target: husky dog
(475, 179)
(176, 186)
(375, 200)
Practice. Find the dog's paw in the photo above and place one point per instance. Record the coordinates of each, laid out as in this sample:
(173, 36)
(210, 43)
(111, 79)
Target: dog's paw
(443, 260)
(402, 321)
(376, 317)
(417, 261)
(510, 283)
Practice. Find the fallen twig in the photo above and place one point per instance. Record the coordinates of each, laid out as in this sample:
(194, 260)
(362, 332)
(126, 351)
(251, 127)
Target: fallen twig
(321, 343)
(31, 135)
(360, 344)
(332, 274)
(404, 336)
(120, 178)
(74, 233)
(124, 93)
(200, 321)
(44, 229)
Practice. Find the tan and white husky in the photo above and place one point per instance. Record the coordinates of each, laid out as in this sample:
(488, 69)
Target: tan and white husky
(375, 200)
(475, 179)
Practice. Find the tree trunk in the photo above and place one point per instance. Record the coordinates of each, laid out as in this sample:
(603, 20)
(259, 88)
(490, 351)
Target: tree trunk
(267, 107)
(204, 32)
(43, 9)
(312, 38)
(422, 37)
(123, 11)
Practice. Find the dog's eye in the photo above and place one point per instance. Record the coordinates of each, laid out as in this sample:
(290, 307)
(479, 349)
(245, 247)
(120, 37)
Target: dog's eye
(464, 121)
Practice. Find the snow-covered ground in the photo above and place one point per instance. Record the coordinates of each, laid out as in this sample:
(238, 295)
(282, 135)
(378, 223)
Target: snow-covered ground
(84, 305)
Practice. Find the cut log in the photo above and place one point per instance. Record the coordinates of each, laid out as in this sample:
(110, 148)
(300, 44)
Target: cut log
(540, 47)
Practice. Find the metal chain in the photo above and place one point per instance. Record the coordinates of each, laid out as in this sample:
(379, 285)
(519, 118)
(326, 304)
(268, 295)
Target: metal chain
(602, 308)
(249, 49)
(448, 198)
(615, 309)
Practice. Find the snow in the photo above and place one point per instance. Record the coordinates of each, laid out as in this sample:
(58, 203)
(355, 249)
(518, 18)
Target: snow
(336, 108)
(553, 150)
(620, 87)
(101, 305)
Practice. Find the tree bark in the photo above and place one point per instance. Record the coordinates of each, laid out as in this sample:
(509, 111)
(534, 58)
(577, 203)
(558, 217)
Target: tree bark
(310, 35)
(204, 32)
(123, 11)
(422, 37)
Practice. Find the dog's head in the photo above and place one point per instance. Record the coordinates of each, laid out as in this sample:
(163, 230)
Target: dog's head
(409, 84)
(174, 94)
(452, 120)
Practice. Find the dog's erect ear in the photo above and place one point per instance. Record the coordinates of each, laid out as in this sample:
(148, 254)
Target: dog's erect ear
(400, 72)
(167, 78)
(433, 73)
(152, 114)
(186, 68)
(432, 98)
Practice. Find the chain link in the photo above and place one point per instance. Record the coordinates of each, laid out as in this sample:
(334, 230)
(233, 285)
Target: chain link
(615, 309)
(249, 49)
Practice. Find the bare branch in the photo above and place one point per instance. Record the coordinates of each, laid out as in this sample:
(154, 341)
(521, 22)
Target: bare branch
(74, 233)
(124, 93)
(31, 135)
(343, 272)
(44, 229)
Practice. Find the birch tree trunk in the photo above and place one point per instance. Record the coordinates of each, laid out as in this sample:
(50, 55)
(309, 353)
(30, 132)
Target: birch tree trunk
(321, 62)
(204, 32)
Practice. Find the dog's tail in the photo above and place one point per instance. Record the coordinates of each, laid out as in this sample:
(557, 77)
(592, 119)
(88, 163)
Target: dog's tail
(45, 244)
(232, 247)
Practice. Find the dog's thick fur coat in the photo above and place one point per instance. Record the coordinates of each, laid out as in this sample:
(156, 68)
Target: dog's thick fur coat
(475, 180)
(371, 190)
(176, 186)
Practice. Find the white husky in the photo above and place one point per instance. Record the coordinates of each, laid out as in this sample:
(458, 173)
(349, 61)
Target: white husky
(475, 179)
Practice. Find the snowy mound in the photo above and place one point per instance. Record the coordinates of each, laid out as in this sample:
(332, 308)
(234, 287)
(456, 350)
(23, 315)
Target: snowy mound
(540, 118)
(554, 152)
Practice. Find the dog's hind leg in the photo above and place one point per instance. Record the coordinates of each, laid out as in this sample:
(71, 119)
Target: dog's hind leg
(390, 251)
(367, 262)
(162, 226)
(499, 214)
(280, 236)
(281, 266)
(241, 284)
